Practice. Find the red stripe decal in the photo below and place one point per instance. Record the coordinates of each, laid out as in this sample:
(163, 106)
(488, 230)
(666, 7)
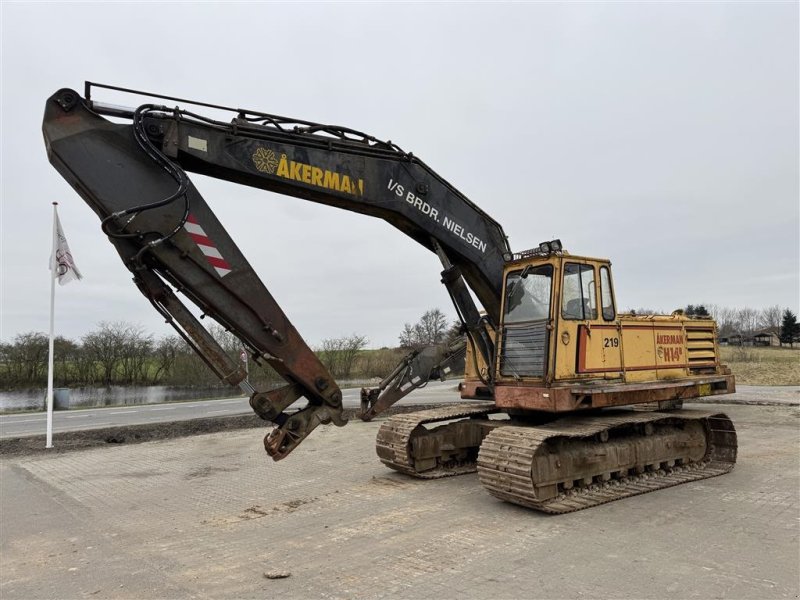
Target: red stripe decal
(218, 262)
(204, 241)
(201, 239)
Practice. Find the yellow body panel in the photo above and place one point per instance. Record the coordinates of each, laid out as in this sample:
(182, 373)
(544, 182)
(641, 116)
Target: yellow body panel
(642, 349)
(610, 347)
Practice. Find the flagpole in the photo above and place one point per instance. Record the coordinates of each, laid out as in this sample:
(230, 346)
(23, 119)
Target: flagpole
(53, 274)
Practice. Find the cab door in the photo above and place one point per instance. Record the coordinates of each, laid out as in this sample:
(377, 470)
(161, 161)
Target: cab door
(589, 342)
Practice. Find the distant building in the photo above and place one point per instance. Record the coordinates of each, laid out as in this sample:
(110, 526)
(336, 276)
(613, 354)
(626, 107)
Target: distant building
(736, 339)
(762, 338)
(766, 338)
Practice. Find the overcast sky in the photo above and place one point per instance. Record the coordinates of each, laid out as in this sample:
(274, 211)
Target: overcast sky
(663, 136)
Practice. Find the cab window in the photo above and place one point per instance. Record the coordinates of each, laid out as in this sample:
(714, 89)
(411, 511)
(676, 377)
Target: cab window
(528, 294)
(579, 300)
(606, 299)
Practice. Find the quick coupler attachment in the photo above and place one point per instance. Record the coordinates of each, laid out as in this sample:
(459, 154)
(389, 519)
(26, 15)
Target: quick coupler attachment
(292, 428)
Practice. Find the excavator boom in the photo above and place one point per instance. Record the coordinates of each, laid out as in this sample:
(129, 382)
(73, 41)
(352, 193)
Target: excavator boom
(133, 175)
(339, 167)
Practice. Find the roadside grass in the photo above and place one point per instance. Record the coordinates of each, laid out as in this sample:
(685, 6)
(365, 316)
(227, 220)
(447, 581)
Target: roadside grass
(762, 366)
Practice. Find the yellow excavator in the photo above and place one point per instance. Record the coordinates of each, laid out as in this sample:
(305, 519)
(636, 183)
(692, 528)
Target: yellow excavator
(571, 404)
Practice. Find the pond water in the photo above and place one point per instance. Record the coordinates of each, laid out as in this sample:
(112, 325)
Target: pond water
(94, 397)
(117, 395)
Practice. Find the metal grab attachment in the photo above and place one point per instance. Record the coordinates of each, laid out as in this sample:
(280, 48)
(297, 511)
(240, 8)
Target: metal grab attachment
(295, 427)
(414, 371)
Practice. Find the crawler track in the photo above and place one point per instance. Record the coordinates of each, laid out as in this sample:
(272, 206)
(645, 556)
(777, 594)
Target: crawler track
(511, 456)
(394, 442)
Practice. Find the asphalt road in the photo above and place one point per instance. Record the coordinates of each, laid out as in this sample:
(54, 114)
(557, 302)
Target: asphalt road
(25, 424)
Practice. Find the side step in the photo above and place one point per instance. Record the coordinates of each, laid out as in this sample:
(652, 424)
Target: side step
(579, 462)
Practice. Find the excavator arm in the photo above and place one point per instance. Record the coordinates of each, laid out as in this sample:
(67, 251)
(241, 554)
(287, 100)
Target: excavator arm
(416, 369)
(133, 175)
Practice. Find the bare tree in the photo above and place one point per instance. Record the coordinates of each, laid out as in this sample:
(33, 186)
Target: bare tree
(339, 354)
(351, 348)
(166, 353)
(747, 321)
(6, 380)
(433, 326)
(65, 356)
(228, 340)
(83, 366)
(105, 347)
(725, 318)
(409, 337)
(136, 352)
(189, 369)
(30, 356)
(329, 352)
(11, 371)
(430, 330)
(455, 331)
(26, 358)
(770, 318)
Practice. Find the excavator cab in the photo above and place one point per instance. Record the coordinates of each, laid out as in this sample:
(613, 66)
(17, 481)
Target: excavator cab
(563, 346)
(550, 296)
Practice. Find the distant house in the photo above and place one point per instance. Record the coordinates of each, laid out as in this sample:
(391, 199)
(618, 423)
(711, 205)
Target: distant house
(737, 339)
(766, 338)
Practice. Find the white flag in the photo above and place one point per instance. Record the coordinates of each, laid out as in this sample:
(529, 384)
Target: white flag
(66, 270)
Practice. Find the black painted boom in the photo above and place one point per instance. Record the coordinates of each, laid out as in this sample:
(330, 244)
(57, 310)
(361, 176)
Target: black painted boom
(132, 175)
